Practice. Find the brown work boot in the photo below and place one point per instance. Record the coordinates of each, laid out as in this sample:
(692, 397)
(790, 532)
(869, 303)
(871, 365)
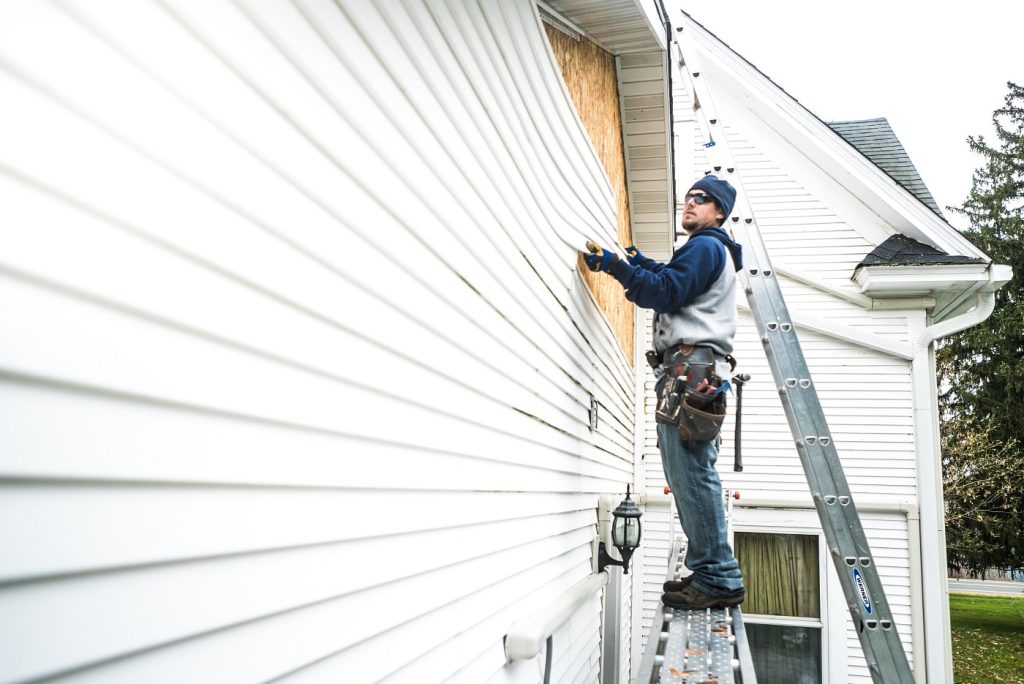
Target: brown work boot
(689, 598)
(677, 585)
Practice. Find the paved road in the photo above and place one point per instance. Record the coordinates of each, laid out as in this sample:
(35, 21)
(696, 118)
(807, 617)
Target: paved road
(968, 586)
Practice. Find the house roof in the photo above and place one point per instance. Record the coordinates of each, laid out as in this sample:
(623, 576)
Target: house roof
(866, 193)
(900, 250)
(875, 139)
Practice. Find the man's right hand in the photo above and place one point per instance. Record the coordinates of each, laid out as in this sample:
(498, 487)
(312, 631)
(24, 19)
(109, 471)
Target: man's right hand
(599, 259)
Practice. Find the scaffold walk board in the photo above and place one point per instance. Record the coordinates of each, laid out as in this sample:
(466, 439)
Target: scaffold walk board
(694, 646)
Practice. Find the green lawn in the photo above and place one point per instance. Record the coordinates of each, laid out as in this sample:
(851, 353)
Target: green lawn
(988, 638)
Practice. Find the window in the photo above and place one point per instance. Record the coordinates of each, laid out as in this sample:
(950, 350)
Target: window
(782, 610)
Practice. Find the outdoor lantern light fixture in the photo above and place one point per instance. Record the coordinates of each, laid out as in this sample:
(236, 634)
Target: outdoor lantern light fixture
(625, 535)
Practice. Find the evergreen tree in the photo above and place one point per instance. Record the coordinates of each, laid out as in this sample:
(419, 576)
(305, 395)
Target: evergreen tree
(981, 480)
(981, 370)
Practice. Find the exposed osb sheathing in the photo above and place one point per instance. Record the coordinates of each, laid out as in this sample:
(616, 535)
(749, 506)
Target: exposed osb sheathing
(589, 74)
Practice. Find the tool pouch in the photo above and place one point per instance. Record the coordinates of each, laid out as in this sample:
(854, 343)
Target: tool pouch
(683, 397)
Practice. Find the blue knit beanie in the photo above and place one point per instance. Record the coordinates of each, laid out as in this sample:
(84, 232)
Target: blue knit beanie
(721, 191)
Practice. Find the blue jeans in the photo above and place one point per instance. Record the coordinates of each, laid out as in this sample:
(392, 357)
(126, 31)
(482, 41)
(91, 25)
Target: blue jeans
(690, 470)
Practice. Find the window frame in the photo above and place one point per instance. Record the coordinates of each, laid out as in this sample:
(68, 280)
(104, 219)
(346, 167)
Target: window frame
(832, 609)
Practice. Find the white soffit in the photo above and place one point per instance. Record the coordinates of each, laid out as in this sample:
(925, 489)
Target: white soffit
(824, 147)
(646, 140)
(619, 26)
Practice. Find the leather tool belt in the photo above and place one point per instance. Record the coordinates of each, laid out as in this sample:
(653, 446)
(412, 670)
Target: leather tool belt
(691, 396)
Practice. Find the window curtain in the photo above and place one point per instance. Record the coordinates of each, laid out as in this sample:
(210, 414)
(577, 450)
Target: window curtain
(780, 574)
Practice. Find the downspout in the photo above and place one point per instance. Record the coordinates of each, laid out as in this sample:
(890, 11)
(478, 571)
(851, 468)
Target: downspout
(917, 640)
(938, 642)
(985, 303)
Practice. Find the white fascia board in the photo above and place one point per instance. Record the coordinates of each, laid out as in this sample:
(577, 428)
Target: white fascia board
(955, 285)
(916, 281)
(911, 280)
(829, 151)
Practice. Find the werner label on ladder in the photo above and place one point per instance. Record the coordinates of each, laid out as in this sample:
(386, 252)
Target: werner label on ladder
(844, 534)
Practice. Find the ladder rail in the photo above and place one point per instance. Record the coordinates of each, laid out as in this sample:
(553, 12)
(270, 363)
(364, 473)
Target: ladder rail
(833, 500)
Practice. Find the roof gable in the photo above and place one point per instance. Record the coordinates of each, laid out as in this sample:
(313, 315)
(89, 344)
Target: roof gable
(898, 210)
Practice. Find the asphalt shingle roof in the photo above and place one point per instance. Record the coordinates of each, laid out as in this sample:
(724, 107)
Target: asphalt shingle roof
(900, 250)
(875, 139)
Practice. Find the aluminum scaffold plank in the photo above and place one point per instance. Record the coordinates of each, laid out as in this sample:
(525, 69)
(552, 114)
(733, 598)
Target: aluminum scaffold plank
(693, 646)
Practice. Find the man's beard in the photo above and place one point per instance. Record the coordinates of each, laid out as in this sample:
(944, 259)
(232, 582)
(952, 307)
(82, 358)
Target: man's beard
(691, 226)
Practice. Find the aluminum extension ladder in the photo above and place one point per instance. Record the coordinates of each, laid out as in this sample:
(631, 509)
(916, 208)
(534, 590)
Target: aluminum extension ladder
(690, 646)
(844, 534)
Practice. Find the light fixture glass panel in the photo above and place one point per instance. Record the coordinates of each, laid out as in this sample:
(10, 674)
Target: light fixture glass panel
(632, 532)
(619, 531)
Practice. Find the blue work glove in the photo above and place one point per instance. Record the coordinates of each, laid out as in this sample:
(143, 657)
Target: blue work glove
(600, 259)
(634, 255)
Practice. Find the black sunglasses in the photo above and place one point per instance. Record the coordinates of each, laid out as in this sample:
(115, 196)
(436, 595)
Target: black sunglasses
(699, 199)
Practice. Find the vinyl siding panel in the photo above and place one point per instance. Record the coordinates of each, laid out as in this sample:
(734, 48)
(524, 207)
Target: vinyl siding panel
(589, 74)
(872, 427)
(297, 365)
(800, 231)
(660, 527)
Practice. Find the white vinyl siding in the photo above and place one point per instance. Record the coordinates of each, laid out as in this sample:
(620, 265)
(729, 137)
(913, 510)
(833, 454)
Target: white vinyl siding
(660, 522)
(296, 367)
(866, 398)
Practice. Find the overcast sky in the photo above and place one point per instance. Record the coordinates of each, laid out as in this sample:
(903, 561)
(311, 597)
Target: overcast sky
(936, 70)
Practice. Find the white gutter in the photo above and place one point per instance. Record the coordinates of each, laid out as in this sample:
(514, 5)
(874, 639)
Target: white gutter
(526, 638)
